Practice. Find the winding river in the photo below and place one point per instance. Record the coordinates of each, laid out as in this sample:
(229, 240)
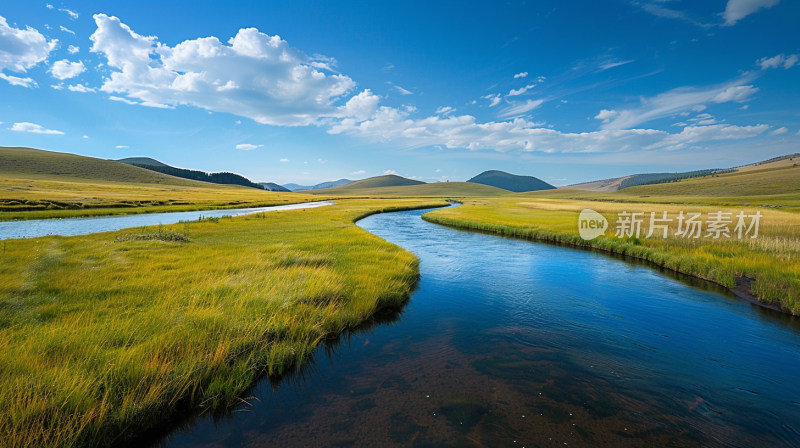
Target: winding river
(512, 343)
(83, 226)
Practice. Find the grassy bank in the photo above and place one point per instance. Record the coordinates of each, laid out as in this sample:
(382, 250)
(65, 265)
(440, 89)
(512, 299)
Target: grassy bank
(772, 260)
(109, 335)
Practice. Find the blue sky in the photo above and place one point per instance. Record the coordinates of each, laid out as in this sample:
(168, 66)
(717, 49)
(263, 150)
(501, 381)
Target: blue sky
(567, 91)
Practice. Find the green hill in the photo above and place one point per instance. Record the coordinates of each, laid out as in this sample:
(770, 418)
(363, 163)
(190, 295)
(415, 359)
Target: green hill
(214, 178)
(271, 186)
(389, 180)
(29, 163)
(141, 161)
(510, 182)
(754, 182)
(437, 189)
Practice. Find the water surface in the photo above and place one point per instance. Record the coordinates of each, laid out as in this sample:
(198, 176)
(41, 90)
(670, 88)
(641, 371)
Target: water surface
(33, 228)
(512, 343)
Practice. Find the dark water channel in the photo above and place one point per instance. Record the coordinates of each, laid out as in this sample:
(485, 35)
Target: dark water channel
(509, 343)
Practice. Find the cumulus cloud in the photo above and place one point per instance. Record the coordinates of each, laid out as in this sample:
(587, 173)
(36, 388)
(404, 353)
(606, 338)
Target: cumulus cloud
(464, 131)
(777, 61)
(72, 49)
(33, 128)
(680, 100)
(736, 10)
(253, 75)
(65, 69)
(247, 146)
(606, 115)
(521, 75)
(360, 106)
(388, 172)
(21, 49)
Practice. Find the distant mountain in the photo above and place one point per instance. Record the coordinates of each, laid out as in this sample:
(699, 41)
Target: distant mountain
(618, 183)
(214, 178)
(142, 161)
(271, 186)
(331, 184)
(389, 180)
(510, 182)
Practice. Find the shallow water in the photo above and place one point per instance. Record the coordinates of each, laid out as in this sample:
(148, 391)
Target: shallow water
(513, 343)
(83, 226)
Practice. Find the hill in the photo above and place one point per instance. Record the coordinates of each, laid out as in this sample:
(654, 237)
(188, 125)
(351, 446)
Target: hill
(510, 182)
(29, 163)
(202, 176)
(331, 184)
(436, 189)
(271, 186)
(389, 180)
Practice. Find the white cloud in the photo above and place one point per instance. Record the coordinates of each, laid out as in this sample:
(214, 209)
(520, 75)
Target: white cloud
(254, 75)
(121, 147)
(612, 63)
(401, 90)
(361, 106)
(85, 136)
(520, 108)
(464, 131)
(779, 131)
(437, 170)
(521, 90)
(17, 81)
(21, 49)
(680, 100)
(358, 172)
(48, 5)
(776, 61)
(445, 110)
(81, 88)
(72, 49)
(72, 14)
(388, 172)
(66, 30)
(33, 128)
(494, 99)
(65, 69)
(521, 75)
(606, 115)
(121, 100)
(736, 10)
(321, 160)
(284, 160)
(247, 146)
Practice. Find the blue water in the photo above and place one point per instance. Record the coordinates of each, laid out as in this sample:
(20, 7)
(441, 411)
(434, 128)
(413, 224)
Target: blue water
(83, 226)
(512, 343)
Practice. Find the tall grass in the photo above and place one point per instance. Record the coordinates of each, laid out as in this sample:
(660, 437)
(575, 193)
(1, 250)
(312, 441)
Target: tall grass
(772, 260)
(104, 338)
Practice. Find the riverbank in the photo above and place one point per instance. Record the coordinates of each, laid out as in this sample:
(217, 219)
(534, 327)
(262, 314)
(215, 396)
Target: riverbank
(108, 336)
(770, 262)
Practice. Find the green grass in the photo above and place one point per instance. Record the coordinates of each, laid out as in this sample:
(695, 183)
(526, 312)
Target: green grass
(772, 259)
(106, 336)
(37, 184)
(389, 180)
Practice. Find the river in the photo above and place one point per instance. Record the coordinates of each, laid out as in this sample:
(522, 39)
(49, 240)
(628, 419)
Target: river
(512, 343)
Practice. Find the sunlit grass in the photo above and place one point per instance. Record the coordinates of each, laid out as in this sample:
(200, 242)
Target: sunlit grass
(772, 259)
(105, 336)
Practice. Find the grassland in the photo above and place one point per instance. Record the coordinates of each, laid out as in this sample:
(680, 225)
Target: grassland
(106, 336)
(43, 184)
